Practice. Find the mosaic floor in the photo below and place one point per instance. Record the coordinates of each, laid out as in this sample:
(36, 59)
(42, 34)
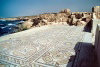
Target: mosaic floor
(51, 46)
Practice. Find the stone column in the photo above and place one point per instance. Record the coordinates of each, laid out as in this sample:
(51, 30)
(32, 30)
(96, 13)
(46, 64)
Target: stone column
(97, 43)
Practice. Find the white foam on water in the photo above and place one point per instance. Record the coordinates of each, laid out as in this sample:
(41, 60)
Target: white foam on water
(21, 21)
(10, 28)
(10, 24)
(3, 27)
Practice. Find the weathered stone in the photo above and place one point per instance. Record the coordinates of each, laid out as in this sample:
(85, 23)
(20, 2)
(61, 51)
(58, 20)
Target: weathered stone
(98, 15)
(2, 65)
(78, 15)
(36, 21)
(63, 17)
(88, 19)
(48, 17)
(74, 21)
(72, 16)
(96, 9)
(67, 11)
(81, 23)
(28, 24)
(69, 21)
(42, 22)
(97, 44)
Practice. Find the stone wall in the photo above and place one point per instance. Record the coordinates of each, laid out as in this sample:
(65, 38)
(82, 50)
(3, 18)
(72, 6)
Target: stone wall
(97, 43)
(94, 25)
(96, 10)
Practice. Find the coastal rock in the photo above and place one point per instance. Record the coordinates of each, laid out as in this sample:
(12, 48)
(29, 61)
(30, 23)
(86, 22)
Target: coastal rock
(42, 22)
(81, 23)
(78, 15)
(57, 17)
(73, 16)
(69, 21)
(10, 19)
(36, 21)
(74, 21)
(61, 17)
(48, 17)
(27, 24)
(87, 19)
(67, 11)
(85, 15)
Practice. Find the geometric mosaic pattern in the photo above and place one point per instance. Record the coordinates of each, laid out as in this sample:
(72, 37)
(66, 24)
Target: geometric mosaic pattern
(47, 47)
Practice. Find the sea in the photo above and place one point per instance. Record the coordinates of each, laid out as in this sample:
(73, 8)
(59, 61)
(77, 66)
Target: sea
(7, 26)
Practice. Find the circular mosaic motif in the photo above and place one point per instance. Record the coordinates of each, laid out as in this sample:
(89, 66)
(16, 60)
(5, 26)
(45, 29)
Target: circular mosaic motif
(24, 50)
(47, 59)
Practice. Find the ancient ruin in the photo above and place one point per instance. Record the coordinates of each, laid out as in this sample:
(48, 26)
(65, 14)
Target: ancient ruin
(64, 39)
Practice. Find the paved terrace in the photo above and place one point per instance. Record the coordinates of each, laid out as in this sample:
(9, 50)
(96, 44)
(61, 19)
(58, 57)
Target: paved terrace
(47, 46)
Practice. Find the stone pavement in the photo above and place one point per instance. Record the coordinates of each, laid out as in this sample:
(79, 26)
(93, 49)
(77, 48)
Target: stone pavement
(47, 46)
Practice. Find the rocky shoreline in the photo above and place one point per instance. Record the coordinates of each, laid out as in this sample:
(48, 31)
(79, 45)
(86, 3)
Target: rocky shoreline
(64, 17)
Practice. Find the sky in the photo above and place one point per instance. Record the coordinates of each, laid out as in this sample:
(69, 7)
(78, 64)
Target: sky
(14, 8)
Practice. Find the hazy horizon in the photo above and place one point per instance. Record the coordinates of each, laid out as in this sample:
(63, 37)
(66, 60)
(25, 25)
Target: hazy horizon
(14, 8)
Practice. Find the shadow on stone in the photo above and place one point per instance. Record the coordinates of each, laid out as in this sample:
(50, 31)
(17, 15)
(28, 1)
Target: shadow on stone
(84, 56)
(88, 26)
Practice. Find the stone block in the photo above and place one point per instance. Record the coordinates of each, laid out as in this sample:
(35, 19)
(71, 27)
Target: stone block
(97, 43)
(96, 9)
